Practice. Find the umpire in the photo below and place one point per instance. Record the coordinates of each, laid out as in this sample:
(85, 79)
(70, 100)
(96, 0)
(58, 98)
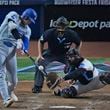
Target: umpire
(59, 40)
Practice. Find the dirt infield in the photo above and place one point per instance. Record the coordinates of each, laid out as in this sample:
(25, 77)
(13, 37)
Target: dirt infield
(95, 100)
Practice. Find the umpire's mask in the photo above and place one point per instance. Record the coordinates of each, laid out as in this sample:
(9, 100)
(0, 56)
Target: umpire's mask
(61, 25)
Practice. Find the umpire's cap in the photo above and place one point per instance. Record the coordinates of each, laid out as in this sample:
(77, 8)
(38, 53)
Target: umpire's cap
(62, 21)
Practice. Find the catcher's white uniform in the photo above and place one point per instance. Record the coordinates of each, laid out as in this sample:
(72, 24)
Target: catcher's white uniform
(8, 46)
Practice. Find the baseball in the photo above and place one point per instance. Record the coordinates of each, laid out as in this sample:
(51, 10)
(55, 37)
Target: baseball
(41, 67)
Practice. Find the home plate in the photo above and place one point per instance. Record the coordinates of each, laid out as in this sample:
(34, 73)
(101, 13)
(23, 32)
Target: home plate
(62, 107)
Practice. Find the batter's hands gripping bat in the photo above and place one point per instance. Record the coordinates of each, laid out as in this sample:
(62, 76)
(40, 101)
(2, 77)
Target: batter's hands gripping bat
(32, 59)
(41, 68)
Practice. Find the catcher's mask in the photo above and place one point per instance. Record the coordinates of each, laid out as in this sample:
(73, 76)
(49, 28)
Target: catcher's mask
(73, 56)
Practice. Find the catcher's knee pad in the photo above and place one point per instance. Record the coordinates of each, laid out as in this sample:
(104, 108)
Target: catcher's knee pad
(69, 92)
(105, 78)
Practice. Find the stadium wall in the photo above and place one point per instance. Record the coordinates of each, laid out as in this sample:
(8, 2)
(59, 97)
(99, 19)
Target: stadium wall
(89, 49)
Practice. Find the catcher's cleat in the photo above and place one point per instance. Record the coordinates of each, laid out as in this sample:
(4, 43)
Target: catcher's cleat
(37, 89)
(105, 78)
(57, 92)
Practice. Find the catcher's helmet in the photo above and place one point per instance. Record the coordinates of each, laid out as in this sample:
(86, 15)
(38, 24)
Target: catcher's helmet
(62, 21)
(74, 57)
(30, 13)
(72, 52)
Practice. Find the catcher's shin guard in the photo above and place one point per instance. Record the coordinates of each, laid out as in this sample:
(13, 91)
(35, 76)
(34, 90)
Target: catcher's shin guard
(69, 92)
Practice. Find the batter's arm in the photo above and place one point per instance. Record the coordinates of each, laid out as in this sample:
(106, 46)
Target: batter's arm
(12, 26)
(12, 19)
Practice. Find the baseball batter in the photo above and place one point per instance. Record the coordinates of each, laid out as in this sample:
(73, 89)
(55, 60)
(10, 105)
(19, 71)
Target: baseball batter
(85, 75)
(14, 32)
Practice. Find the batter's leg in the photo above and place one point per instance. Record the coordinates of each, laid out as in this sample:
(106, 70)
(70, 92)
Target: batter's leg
(3, 83)
(12, 73)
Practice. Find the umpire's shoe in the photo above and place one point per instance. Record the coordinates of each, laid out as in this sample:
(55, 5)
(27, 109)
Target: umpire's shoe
(37, 89)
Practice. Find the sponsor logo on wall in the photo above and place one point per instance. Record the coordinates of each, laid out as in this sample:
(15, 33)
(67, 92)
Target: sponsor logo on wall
(85, 24)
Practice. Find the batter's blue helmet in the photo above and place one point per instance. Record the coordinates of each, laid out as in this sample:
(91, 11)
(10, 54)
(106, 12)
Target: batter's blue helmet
(30, 13)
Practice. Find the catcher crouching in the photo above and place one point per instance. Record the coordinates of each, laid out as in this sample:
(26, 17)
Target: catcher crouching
(85, 75)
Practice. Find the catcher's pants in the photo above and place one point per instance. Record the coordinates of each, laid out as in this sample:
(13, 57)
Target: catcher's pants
(7, 64)
(93, 85)
(39, 77)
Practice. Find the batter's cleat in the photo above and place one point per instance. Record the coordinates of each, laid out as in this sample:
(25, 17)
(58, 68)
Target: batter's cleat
(8, 103)
(14, 97)
(37, 89)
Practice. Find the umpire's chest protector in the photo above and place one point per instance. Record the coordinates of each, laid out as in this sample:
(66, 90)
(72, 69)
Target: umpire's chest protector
(59, 44)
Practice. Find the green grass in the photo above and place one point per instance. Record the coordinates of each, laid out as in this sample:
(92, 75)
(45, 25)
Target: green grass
(99, 60)
(24, 62)
(26, 76)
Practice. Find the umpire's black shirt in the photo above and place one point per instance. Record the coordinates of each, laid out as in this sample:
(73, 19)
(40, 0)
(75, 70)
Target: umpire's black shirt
(58, 45)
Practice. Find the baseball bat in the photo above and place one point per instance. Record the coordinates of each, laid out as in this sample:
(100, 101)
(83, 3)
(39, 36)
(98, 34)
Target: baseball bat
(31, 58)
(40, 68)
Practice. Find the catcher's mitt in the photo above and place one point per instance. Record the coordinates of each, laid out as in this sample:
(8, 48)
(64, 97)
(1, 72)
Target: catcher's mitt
(51, 79)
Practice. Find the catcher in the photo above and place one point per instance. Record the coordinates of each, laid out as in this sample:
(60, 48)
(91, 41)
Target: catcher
(86, 77)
